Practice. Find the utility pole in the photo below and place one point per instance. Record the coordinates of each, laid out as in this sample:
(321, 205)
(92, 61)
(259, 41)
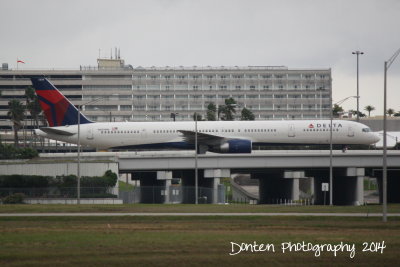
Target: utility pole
(384, 159)
(358, 92)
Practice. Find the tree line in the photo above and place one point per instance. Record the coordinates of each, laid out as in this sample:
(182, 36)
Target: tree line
(16, 111)
(225, 112)
(369, 108)
(109, 179)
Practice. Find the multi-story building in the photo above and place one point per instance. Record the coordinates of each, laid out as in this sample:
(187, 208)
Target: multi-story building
(153, 93)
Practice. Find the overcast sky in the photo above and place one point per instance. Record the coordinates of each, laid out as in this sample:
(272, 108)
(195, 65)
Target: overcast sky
(294, 33)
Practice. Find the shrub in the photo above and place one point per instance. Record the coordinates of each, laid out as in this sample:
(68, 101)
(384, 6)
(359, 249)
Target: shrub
(17, 198)
(11, 152)
(28, 153)
(111, 178)
(28, 181)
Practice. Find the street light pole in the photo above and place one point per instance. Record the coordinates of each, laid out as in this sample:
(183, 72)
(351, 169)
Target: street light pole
(196, 173)
(330, 148)
(358, 94)
(78, 171)
(384, 159)
(320, 102)
(330, 155)
(384, 163)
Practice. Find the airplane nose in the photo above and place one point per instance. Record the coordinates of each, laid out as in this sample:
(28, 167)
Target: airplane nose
(376, 138)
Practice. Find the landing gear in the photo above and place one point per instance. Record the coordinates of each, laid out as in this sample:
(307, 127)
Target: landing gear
(344, 148)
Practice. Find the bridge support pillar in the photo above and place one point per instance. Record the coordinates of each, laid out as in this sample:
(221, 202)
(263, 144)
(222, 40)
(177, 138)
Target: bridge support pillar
(154, 186)
(279, 187)
(348, 187)
(208, 185)
(165, 176)
(215, 175)
(357, 192)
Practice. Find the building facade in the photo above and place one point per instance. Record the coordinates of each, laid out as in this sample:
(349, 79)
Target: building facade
(152, 94)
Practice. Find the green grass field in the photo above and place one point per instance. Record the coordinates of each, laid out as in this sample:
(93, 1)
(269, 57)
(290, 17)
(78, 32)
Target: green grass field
(394, 208)
(190, 241)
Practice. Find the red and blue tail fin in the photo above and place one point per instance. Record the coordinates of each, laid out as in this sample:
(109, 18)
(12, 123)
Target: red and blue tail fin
(58, 110)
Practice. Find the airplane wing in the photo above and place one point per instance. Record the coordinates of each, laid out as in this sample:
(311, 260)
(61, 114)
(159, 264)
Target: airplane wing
(51, 130)
(202, 138)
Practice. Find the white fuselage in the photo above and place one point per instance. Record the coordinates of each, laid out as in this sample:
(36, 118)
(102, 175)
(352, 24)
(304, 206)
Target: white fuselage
(131, 134)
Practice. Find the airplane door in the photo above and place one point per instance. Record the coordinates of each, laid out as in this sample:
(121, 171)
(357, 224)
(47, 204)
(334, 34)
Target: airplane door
(350, 133)
(89, 135)
(291, 132)
(143, 133)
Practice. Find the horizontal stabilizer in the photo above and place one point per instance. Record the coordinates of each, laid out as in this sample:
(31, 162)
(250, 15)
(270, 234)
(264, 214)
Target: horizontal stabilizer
(50, 130)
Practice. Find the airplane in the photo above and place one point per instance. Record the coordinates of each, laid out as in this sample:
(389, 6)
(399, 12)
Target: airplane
(213, 136)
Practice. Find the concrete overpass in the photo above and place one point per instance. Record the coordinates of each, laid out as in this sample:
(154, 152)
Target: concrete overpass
(280, 173)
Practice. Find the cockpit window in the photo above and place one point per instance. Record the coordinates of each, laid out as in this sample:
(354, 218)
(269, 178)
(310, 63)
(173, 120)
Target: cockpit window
(366, 130)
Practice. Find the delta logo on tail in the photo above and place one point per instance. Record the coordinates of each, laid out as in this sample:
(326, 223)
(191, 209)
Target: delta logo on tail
(57, 109)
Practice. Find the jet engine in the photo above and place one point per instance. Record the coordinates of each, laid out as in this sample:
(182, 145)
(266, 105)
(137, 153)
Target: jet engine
(233, 146)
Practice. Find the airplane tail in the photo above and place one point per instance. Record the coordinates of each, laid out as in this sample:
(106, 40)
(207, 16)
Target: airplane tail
(58, 110)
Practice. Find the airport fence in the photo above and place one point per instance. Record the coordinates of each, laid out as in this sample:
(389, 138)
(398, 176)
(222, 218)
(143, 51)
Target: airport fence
(173, 194)
(139, 194)
(61, 192)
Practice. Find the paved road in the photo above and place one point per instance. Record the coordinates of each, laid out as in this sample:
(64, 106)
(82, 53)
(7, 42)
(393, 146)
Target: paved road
(81, 214)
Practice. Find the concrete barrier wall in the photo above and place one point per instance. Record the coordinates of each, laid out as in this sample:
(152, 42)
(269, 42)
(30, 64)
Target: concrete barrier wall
(54, 169)
(393, 124)
(73, 201)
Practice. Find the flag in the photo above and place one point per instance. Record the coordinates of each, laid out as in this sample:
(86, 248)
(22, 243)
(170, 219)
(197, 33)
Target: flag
(20, 61)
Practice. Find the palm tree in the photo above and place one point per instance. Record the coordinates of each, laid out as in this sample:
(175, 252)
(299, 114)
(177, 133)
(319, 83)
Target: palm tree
(16, 114)
(336, 110)
(369, 108)
(211, 112)
(32, 104)
(247, 115)
(390, 112)
(197, 117)
(228, 110)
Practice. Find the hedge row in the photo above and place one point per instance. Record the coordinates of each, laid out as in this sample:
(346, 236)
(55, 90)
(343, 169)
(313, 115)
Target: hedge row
(11, 152)
(109, 179)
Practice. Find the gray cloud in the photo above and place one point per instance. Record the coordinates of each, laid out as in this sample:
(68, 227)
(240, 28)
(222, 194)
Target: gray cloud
(298, 34)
